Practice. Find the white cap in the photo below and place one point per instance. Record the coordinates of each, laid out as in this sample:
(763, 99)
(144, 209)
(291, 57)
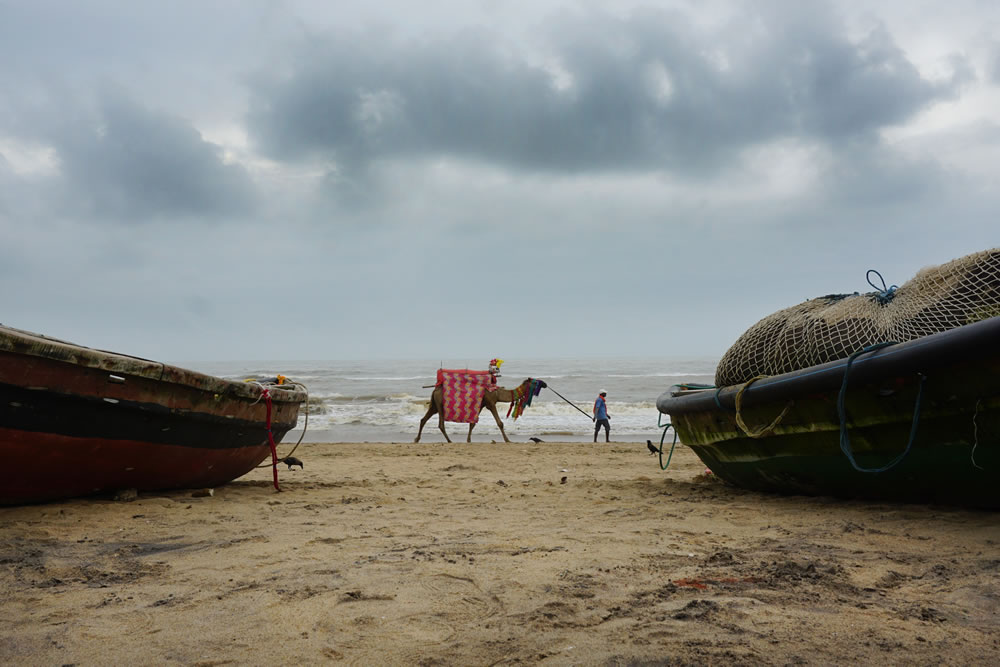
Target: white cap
(603, 391)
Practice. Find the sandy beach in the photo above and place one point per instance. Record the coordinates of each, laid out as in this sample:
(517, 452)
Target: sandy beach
(482, 554)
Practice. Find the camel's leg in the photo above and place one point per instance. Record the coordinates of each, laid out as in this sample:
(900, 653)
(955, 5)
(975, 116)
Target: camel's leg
(493, 409)
(441, 425)
(430, 411)
(473, 424)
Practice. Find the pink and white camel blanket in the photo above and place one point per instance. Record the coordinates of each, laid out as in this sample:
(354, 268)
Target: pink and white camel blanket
(462, 393)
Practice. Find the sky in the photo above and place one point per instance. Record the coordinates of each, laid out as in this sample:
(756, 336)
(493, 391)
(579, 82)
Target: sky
(291, 180)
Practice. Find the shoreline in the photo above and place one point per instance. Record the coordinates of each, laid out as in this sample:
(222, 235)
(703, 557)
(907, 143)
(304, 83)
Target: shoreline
(369, 434)
(513, 554)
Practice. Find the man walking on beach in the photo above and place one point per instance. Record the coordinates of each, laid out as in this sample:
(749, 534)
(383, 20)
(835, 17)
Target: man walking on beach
(601, 417)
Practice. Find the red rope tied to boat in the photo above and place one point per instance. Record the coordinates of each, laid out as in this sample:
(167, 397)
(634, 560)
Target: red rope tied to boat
(270, 440)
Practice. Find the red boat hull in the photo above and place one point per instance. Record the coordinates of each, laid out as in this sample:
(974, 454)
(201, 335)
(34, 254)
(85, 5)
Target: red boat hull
(46, 466)
(76, 421)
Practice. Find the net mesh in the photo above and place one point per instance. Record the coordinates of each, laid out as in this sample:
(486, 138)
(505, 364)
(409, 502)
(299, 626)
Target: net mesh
(834, 327)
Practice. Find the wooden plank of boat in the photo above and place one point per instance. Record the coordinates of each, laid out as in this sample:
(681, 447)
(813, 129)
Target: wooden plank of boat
(953, 414)
(76, 421)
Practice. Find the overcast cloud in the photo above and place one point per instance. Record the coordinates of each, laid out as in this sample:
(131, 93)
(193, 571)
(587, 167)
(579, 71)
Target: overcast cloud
(257, 180)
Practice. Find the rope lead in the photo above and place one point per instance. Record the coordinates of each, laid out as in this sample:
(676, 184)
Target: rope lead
(766, 430)
(665, 427)
(305, 426)
(845, 441)
(270, 439)
(570, 402)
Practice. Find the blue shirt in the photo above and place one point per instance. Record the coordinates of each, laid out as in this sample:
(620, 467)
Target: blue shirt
(600, 408)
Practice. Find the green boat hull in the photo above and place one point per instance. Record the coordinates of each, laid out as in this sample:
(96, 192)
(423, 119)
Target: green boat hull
(945, 426)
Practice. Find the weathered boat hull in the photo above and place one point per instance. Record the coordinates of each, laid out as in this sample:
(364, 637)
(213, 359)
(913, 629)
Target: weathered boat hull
(76, 421)
(955, 453)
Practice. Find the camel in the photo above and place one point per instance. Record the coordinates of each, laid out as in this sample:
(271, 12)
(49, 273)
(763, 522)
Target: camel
(490, 400)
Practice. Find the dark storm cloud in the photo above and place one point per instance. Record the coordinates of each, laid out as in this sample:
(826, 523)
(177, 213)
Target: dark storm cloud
(123, 161)
(649, 91)
(132, 163)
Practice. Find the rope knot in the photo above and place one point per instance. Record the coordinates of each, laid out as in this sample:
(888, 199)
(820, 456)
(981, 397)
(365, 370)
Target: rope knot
(886, 294)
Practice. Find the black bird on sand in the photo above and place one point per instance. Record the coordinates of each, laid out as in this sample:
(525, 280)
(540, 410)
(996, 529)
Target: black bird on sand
(536, 439)
(292, 461)
(652, 448)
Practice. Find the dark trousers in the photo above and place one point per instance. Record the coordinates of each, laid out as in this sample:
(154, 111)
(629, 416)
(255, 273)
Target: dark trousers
(607, 429)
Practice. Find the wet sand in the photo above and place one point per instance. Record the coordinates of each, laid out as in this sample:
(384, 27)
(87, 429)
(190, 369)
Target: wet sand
(486, 554)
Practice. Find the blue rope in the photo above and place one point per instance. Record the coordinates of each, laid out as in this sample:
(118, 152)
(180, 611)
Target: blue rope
(885, 294)
(665, 427)
(845, 441)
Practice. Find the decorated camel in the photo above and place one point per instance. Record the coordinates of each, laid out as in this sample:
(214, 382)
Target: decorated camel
(446, 401)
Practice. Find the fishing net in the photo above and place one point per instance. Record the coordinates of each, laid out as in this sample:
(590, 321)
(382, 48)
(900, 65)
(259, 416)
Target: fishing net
(834, 327)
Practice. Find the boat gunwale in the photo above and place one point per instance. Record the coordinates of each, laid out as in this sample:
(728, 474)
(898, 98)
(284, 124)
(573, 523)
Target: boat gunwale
(922, 354)
(19, 342)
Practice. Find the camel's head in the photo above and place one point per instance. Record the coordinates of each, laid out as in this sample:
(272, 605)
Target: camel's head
(522, 395)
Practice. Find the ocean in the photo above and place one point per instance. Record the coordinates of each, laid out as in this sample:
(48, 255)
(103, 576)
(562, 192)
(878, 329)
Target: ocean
(383, 401)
